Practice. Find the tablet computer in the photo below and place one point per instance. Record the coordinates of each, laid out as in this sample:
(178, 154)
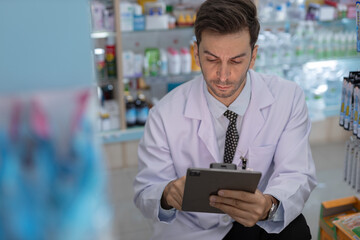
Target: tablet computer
(202, 182)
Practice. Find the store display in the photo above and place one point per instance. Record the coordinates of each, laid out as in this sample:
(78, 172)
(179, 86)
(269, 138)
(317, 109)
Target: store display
(286, 44)
(349, 103)
(349, 120)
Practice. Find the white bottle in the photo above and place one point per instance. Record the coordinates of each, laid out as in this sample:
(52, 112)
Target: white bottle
(163, 63)
(185, 58)
(174, 61)
(261, 53)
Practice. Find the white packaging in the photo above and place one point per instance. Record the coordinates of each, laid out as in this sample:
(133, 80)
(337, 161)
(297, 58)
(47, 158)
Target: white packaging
(126, 16)
(138, 65)
(112, 122)
(185, 58)
(156, 22)
(154, 8)
(109, 19)
(327, 13)
(174, 61)
(97, 14)
(128, 64)
(164, 63)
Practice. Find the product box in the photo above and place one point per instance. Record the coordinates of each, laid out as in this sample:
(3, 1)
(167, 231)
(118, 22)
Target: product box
(332, 210)
(348, 227)
(156, 22)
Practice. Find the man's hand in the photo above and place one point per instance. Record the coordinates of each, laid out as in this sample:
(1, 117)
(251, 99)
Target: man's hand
(173, 194)
(245, 208)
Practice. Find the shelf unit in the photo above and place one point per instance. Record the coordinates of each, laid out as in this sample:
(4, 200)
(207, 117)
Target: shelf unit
(139, 40)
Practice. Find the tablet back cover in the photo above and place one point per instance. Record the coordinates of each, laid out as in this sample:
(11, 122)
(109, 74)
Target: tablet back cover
(201, 183)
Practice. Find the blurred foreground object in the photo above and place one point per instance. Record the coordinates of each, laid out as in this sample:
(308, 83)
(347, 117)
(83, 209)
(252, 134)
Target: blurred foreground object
(52, 181)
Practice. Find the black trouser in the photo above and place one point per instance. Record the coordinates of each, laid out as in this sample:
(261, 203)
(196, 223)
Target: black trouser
(296, 230)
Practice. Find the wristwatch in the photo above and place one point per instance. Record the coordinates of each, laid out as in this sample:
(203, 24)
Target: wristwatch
(272, 211)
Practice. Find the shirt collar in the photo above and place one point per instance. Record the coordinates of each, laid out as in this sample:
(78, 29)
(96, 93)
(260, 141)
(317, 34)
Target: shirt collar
(239, 106)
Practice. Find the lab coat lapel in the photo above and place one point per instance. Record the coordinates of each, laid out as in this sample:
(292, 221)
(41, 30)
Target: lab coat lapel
(197, 108)
(255, 116)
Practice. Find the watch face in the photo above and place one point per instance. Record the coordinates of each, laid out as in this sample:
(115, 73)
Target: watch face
(272, 211)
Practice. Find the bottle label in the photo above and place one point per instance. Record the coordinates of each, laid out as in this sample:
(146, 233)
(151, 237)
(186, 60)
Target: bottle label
(131, 116)
(142, 114)
(110, 61)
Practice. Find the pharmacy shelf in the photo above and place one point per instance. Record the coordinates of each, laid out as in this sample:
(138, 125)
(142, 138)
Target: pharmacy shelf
(115, 136)
(102, 34)
(177, 29)
(135, 133)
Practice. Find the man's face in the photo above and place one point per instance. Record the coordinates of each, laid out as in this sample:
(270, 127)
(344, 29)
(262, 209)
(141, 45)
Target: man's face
(224, 62)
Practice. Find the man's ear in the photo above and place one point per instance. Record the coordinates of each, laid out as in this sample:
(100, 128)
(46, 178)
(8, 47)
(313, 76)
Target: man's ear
(253, 56)
(196, 54)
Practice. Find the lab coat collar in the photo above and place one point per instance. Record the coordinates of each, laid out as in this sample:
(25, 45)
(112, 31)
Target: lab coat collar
(197, 108)
(254, 118)
(255, 115)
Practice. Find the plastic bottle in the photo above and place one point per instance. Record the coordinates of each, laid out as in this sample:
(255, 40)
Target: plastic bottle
(163, 63)
(142, 109)
(319, 46)
(343, 40)
(110, 57)
(267, 12)
(280, 12)
(272, 51)
(185, 59)
(100, 62)
(174, 61)
(309, 40)
(287, 51)
(261, 53)
(298, 42)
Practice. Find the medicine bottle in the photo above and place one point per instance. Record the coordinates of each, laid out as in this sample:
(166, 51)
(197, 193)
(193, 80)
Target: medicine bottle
(130, 110)
(142, 109)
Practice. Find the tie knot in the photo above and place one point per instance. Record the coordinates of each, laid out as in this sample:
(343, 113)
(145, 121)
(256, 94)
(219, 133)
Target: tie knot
(230, 115)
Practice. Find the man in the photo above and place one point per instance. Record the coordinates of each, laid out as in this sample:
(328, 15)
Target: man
(188, 128)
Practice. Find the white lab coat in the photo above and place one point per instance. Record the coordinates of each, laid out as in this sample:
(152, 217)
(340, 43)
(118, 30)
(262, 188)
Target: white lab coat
(179, 134)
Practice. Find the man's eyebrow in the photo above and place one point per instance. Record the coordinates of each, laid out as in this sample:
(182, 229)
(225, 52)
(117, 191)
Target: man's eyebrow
(237, 56)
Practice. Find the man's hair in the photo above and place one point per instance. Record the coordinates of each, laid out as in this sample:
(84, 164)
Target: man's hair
(227, 16)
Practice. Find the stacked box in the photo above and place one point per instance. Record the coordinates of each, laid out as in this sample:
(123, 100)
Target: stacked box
(348, 227)
(333, 210)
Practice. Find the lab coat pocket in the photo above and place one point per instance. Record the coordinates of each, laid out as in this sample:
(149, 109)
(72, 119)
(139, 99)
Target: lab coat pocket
(260, 157)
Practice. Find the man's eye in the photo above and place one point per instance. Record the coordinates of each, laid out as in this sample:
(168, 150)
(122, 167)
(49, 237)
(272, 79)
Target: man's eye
(211, 60)
(236, 62)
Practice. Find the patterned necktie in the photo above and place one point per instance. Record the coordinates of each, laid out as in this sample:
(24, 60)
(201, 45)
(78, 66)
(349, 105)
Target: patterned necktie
(232, 137)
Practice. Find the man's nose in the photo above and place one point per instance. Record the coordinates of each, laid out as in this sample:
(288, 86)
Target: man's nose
(223, 72)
